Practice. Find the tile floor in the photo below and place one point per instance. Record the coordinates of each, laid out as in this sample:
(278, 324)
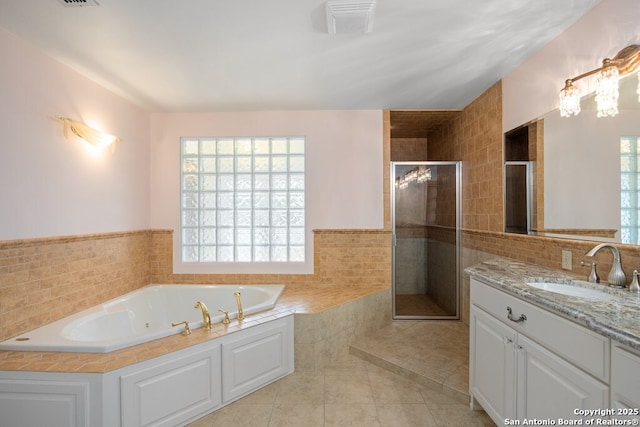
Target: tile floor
(434, 353)
(419, 305)
(356, 392)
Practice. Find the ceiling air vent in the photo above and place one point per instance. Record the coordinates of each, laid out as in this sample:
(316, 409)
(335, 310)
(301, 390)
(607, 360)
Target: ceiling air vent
(350, 16)
(79, 3)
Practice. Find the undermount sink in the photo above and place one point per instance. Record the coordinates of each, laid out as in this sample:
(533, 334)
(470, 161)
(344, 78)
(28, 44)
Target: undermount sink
(572, 290)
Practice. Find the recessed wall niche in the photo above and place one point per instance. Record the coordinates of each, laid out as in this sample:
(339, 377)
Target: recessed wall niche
(410, 131)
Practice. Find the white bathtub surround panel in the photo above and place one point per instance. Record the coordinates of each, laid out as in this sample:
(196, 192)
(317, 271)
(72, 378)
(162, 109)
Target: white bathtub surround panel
(169, 390)
(143, 315)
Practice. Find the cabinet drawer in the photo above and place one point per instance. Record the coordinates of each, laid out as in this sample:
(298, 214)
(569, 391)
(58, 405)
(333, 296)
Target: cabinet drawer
(577, 344)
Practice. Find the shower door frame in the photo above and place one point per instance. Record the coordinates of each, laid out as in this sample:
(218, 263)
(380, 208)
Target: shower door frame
(458, 187)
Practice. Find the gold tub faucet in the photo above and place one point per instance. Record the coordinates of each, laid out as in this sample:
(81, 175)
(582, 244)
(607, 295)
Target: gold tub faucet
(240, 314)
(206, 317)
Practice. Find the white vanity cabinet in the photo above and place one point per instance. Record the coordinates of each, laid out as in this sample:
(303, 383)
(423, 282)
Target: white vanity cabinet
(541, 367)
(492, 367)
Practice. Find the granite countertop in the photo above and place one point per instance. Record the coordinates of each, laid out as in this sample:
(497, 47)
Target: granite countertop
(618, 319)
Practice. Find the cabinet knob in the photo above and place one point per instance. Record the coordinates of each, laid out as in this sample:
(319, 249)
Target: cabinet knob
(507, 340)
(522, 317)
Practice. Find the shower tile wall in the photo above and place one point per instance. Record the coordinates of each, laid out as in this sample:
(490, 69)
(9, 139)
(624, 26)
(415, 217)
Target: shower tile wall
(411, 241)
(475, 138)
(410, 252)
(442, 255)
(408, 149)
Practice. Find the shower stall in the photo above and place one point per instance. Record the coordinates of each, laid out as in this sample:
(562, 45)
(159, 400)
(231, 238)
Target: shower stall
(426, 239)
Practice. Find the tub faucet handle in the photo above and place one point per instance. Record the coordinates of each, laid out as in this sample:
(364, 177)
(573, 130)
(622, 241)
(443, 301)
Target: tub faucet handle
(187, 329)
(226, 320)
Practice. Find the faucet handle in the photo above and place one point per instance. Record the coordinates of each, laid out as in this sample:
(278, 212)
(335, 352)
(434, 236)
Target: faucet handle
(226, 320)
(634, 286)
(187, 329)
(593, 275)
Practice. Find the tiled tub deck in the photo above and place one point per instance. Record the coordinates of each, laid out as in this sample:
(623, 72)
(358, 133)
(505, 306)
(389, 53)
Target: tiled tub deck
(326, 319)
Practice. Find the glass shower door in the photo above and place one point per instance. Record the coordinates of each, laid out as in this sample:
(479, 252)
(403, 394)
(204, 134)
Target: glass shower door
(426, 237)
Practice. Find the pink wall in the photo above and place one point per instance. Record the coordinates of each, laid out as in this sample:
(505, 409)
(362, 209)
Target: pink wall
(51, 186)
(343, 161)
(532, 89)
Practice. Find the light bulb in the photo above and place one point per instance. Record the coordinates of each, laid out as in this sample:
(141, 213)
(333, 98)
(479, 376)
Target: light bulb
(607, 92)
(569, 100)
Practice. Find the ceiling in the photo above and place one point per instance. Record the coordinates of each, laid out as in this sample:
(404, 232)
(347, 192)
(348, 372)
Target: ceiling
(213, 55)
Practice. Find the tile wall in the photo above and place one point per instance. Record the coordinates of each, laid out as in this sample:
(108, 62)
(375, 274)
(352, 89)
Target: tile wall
(409, 149)
(475, 137)
(42, 280)
(322, 339)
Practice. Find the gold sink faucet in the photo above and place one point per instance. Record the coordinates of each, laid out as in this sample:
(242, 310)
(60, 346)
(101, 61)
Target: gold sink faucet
(206, 317)
(240, 314)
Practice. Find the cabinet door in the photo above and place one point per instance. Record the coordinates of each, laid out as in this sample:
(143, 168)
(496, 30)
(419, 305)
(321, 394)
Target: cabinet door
(256, 358)
(549, 387)
(171, 393)
(492, 367)
(47, 401)
(625, 383)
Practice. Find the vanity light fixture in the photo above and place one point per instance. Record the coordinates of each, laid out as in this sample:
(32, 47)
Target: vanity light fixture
(607, 79)
(86, 133)
(418, 174)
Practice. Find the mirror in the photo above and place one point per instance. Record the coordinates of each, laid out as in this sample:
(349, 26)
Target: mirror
(584, 184)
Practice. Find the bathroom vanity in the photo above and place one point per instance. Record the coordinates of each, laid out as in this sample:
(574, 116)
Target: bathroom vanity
(551, 352)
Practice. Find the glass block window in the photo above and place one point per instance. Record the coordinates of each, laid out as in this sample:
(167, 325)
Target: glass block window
(629, 188)
(243, 200)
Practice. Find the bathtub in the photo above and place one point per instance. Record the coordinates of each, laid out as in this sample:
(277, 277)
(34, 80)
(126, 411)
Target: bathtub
(143, 315)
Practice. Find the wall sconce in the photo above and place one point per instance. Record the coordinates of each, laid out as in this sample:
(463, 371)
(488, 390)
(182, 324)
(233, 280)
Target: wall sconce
(607, 78)
(92, 136)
